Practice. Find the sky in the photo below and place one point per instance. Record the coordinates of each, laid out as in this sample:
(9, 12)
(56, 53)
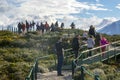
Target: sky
(81, 12)
(103, 8)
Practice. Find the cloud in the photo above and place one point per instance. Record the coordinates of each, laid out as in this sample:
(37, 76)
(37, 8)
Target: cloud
(118, 6)
(97, 7)
(17, 10)
(83, 23)
(97, 0)
(47, 7)
(86, 22)
(4, 20)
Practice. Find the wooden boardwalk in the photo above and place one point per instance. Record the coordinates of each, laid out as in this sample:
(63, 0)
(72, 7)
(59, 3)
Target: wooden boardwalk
(92, 59)
(53, 76)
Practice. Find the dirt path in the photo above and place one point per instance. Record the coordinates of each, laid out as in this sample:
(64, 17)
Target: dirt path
(53, 76)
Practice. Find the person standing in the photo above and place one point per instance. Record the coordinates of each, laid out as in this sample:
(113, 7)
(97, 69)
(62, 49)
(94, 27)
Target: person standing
(27, 26)
(72, 25)
(76, 45)
(19, 27)
(103, 42)
(52, 27)
(46, 26)
(56, 24)
(97, 42)
(92, 31)
(60, 56)
(97, 39)
(23, 28)
(62, 25)
(85, 35)
(90, 44)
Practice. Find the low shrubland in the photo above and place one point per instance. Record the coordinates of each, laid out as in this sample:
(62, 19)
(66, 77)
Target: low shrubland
(105, 71)
(18, 53)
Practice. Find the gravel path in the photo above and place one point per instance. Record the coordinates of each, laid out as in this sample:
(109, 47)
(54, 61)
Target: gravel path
(53, 76)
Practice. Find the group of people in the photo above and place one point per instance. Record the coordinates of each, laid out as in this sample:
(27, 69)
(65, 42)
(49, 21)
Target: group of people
(23, 27)
(26, 26)
(96, 39)
(92, 39)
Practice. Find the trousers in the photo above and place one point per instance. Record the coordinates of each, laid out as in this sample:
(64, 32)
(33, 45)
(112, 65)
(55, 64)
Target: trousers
(60, 63)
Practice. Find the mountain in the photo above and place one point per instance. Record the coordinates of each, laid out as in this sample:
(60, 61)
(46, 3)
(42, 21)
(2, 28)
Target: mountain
(104, 23)
(111, 29)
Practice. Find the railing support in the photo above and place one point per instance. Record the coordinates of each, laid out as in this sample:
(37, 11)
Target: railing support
(82, 73)
(115, 53)
(97, 77)
(27, 78)
(36, 69)
(33, 74)
(73, 68)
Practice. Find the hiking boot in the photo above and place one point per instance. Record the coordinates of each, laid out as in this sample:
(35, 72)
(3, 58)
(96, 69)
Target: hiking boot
(60, 75)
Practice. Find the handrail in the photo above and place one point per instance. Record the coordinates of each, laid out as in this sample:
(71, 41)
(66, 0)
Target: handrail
(33, 71)
(96, 48)
(102, 46)
(75, 64)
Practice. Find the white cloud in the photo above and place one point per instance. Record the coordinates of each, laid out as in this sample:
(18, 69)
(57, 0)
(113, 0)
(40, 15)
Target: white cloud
(4, 20)
(40, 9)
(88, 6)
(118, 6)
(97, 0)
(111, 18)
(83, 23)
(86, 22)
(97, 7)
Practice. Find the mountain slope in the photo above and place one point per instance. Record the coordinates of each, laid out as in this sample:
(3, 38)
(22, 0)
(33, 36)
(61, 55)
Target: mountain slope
(111, 29)
(104, 23)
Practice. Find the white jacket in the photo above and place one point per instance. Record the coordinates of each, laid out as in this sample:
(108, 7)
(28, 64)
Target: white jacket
(90, 43)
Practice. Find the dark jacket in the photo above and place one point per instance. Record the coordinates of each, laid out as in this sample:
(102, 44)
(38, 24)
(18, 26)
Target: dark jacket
(92, 32)
(75, 44)
(59, 48)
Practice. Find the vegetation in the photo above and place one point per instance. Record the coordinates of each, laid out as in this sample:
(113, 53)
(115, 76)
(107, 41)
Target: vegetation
(105, 71)
(17, 53)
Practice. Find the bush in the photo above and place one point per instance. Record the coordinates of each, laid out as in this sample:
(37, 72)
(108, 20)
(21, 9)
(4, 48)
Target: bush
(105, 72)
(17, 53)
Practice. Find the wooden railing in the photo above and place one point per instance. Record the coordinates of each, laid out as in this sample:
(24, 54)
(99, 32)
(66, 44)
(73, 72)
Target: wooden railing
(34, 70)
(76, 62)
(113, 49)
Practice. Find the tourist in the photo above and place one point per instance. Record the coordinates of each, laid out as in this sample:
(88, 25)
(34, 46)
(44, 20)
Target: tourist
(60, 56)
(103, 42)
(90, 44)
(76, 45)
(92, 31)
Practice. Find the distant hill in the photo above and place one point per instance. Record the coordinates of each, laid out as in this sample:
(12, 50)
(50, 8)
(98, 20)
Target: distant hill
(104, 23)
(111, 29)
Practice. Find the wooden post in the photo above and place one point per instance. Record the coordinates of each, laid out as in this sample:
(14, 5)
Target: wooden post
(82, 73)
(97, 77)
(73, 67)
(27, 78)
(115, 52)
(36, 69)
(33, 74)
